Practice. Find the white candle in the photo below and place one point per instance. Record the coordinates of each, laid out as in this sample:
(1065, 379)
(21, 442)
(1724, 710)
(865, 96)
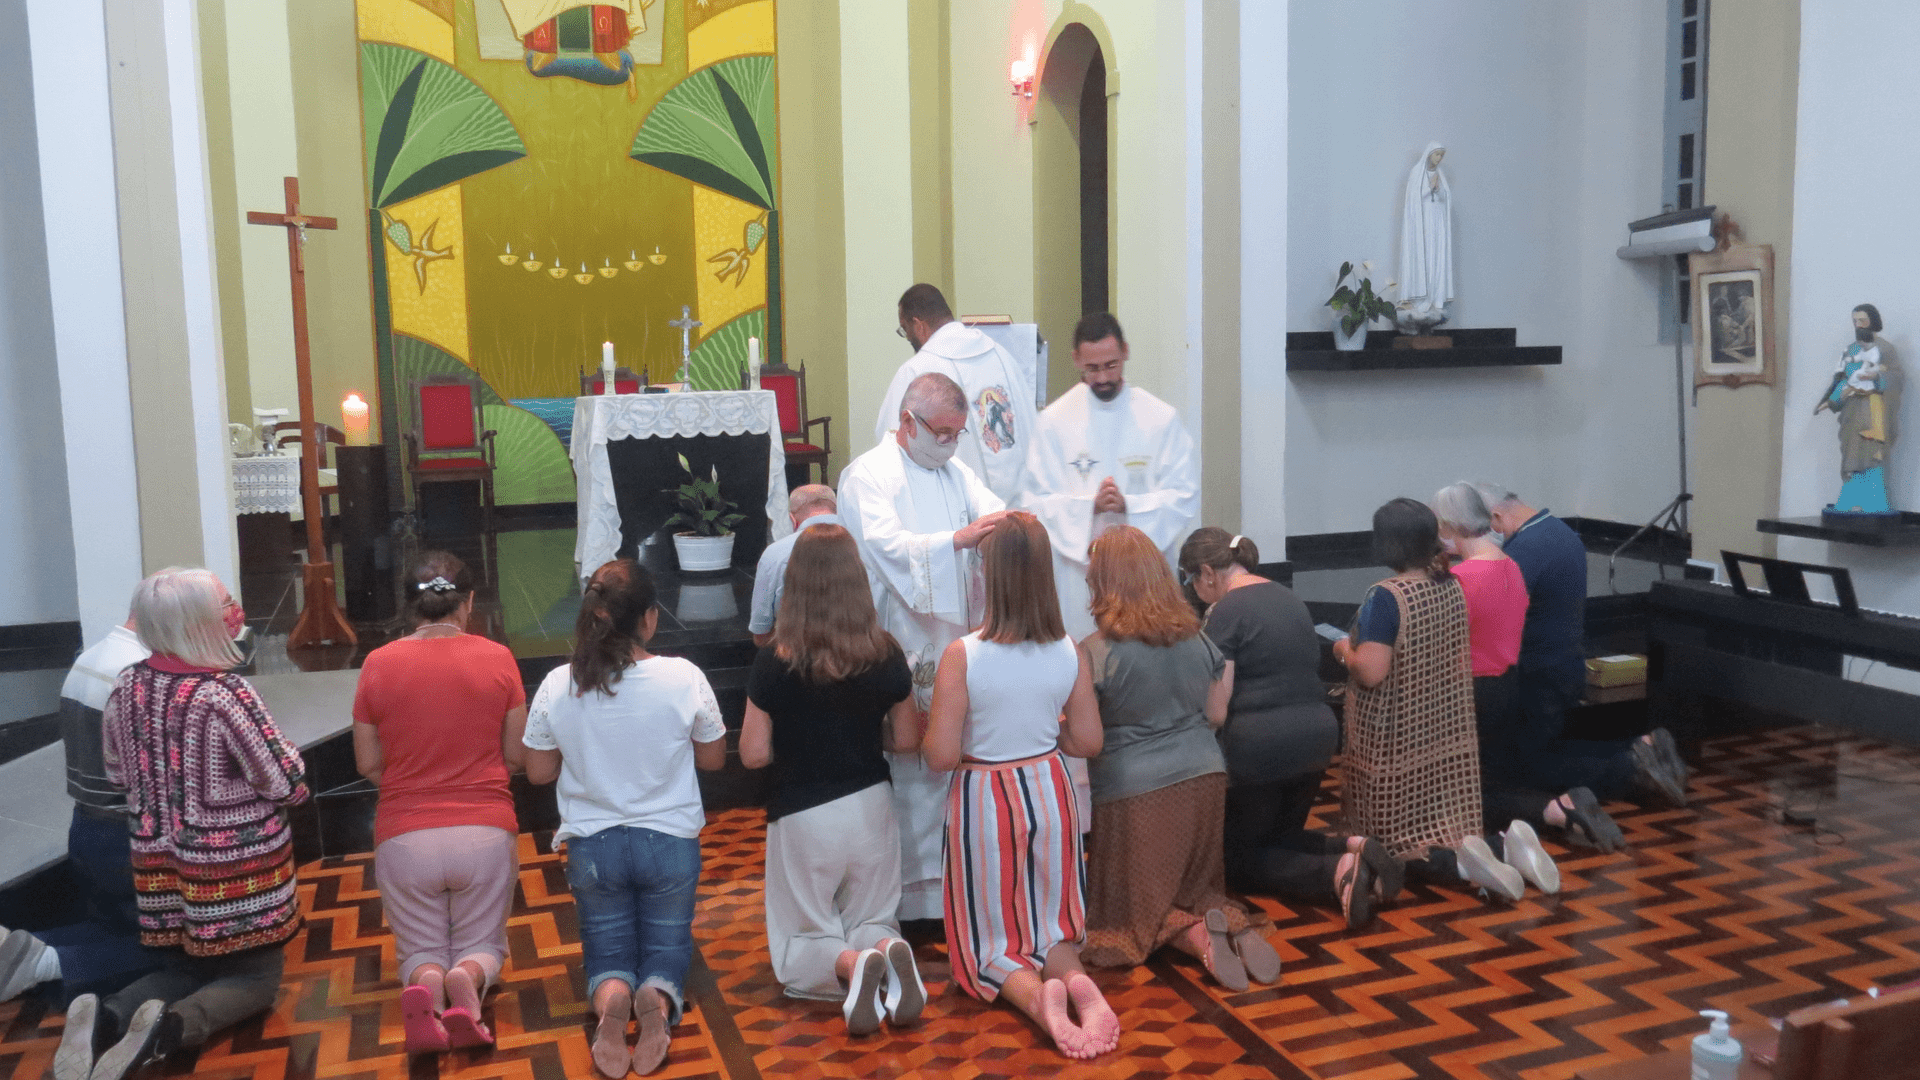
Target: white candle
(353, 420)
(606, 367)
(606, 354)
(753, 363)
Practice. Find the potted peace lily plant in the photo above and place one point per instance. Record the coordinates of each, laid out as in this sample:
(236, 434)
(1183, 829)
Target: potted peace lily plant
(703, 536)
(1354, 306)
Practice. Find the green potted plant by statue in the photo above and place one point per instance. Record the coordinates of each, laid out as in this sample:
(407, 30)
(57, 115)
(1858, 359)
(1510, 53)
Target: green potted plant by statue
(703, 527)
(1354, 306)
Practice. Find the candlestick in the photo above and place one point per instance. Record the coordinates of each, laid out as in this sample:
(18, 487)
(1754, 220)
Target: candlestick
(353, 420)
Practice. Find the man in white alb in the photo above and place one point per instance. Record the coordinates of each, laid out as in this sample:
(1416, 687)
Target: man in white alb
(1107, 453)
(997, 389)
(917, 513)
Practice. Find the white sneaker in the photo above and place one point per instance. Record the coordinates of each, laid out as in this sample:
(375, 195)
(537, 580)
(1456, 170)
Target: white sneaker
(862, 1006)
(1524, 853)
(906, 994)
(1482, 869)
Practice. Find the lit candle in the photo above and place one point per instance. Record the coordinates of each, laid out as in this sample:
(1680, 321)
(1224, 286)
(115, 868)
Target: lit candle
(606, 367)
(353, 420)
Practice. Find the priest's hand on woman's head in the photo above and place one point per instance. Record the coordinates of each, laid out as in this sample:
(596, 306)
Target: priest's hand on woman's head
(972, 534)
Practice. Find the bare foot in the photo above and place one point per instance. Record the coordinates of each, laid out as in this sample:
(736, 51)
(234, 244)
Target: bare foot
(610, 1053)
(1068, 1036)
(651, 1048)
(1096, 1016)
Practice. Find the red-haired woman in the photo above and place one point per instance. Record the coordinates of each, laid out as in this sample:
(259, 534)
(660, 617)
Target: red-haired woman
(824, 700)
(1156, 871)
(622, 730)
(1015, 888)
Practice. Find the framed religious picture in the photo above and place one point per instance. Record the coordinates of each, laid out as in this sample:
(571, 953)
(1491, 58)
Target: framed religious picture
(1732, 314)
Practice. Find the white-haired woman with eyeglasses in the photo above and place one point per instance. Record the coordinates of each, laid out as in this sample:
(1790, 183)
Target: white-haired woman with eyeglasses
(208, 779)
(437, 722)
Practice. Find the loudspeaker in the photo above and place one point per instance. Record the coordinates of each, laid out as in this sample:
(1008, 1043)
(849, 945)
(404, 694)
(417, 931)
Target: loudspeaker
(366, 540)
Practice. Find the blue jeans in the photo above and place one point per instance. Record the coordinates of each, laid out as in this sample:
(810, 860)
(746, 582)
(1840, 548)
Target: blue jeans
(634, 891)
(102, 953)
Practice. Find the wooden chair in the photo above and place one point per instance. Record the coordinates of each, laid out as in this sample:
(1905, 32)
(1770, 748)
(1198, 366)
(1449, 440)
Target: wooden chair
(789, 386)
(446, 439)
(1869, 1037)
(288, 431)
(624, 382)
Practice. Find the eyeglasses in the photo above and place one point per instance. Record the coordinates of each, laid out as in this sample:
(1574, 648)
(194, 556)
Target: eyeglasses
(942, 439)
(902, 331)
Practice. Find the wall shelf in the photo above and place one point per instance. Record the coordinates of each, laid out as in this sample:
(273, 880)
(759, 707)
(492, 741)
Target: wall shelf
(1313, 350)
(1880, 532)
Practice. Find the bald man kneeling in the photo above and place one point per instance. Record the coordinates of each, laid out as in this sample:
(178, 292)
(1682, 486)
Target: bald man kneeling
(808, 505)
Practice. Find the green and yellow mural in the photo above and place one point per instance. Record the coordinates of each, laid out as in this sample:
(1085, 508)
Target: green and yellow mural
(543, 176)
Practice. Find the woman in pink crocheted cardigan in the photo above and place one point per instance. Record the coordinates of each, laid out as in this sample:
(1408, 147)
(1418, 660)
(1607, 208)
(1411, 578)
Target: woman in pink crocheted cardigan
(209, 779)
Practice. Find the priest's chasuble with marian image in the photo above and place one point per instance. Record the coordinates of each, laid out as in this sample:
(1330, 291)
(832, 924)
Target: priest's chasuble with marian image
(928, 595)
(999, 402)
(1079, 442)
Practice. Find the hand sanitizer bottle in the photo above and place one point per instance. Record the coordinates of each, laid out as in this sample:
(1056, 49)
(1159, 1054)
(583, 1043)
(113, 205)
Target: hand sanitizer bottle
(1716, 1055)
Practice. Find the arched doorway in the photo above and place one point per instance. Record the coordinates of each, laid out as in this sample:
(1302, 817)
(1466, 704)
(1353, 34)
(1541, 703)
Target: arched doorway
(1071, 220)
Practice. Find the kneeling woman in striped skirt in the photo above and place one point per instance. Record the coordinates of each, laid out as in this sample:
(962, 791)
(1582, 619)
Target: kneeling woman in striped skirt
(1015, 882)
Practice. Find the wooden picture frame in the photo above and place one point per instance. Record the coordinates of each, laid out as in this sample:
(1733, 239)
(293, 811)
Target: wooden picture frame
(1733, 326)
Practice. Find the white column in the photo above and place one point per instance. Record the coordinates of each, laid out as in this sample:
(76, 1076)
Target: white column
(1263, 274)
(206, 368)
(1193, 280)
(75, 132)
(877, 172)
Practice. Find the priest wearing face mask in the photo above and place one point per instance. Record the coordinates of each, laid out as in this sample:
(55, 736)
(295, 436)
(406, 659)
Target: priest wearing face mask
(1107, 453)
(917, 514)
(996, 390)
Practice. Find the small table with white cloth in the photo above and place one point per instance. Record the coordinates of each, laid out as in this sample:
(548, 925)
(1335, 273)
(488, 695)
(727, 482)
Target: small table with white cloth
(625, 465)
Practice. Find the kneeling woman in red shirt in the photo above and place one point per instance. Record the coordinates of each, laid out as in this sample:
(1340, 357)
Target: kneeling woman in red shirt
(437, 722)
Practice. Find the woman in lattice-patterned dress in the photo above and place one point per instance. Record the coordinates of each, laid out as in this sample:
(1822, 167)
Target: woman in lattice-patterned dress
(1411, 762)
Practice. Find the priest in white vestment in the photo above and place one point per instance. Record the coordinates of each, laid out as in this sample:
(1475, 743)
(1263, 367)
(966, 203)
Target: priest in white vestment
(998, 388)
(917, 513)
(1107, 453)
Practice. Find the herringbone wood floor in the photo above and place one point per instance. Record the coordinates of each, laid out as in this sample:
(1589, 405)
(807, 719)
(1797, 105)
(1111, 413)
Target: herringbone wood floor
(1720, 905)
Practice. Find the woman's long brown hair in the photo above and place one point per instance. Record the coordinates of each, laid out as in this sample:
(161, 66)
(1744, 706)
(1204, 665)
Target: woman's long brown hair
(1134, 595)
(613, 616)
(826, 629)
(1022, 603)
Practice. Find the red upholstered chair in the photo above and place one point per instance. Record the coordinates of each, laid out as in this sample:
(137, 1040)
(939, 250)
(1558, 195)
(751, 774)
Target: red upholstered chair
(789, 386)
(624, 382)
(446, 441)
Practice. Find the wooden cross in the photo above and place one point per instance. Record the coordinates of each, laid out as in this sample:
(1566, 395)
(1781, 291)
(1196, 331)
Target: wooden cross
(320, 620)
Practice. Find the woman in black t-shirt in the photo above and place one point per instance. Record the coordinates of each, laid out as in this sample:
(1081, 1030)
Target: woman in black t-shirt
(825, 699)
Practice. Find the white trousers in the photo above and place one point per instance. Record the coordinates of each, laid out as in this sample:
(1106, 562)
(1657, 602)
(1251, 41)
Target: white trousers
(833, 884)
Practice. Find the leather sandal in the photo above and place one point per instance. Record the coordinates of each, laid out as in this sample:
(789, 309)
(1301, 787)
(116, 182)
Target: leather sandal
(1222, 961)
(1588, 825)
(1389, 873)
(1355, 890)
(1257, 956)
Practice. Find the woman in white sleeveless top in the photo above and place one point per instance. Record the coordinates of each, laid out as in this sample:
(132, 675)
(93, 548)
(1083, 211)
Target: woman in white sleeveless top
(1008, 701)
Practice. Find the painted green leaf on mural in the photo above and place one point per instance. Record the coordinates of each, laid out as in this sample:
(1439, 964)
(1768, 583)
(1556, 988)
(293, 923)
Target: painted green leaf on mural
(716, 128)
(718, 361)
(426, 125)
(414, 360)
(530, 465)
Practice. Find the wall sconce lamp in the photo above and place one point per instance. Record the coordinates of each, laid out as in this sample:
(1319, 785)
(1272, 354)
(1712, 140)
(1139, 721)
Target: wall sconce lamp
(1020, 73)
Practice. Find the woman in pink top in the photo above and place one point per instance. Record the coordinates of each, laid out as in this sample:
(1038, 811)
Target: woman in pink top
(1496, 613)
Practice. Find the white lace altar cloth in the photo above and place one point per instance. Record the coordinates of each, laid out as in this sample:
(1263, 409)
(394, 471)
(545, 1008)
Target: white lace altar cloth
(602, 418)
(266, 484)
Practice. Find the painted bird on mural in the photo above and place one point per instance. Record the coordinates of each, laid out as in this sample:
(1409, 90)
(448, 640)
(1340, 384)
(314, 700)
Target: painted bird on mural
(400, 235)
(737, 261)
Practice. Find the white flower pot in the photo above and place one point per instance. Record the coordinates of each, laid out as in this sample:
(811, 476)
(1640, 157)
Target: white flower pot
(1345, 342)
(703, 552)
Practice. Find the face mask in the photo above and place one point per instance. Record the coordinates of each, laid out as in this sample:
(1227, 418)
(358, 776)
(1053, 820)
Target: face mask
(1449, 545)
(1499, 538)
(927, 451)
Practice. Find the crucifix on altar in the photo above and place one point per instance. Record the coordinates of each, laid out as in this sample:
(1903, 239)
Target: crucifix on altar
(321, 622)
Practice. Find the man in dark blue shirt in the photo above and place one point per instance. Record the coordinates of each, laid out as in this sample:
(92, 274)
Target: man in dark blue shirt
(1552, 667)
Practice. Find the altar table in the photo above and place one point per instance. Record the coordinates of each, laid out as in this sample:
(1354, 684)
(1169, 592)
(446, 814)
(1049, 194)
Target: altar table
(624, 458)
